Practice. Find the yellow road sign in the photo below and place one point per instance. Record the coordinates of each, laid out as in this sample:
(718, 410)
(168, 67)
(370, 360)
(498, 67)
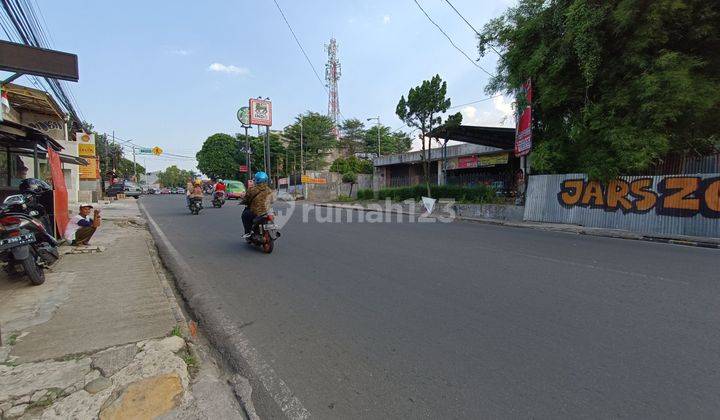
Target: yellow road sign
(157, 151)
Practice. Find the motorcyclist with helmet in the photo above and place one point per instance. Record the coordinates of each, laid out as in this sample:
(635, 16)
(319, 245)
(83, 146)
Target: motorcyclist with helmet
(258, 200)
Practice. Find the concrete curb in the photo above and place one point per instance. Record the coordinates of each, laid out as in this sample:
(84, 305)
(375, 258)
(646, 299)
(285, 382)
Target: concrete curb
(580, 230)
(271, 396)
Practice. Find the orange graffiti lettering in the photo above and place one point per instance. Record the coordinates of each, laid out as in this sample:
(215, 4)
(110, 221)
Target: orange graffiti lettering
(646, 199)
(571, 191)
(593, 195)
(617, 192)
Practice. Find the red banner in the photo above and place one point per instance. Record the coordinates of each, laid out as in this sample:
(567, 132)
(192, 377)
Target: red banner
(523, 132)
(60, 193)
(467, 162)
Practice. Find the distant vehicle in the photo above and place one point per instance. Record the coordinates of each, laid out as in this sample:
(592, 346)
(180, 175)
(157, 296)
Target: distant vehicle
(124, 187)
(173, 190)
(180, 190)
(164, 190)
(151, 191)
(235, 189)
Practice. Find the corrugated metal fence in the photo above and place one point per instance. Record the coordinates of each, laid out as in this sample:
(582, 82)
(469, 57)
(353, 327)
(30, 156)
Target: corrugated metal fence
(661, 204)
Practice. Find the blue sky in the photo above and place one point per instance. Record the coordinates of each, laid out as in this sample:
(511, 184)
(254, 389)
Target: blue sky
(171, 73)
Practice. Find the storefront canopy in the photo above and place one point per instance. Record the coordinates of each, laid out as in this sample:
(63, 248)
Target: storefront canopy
(13, 134)
(500, 137)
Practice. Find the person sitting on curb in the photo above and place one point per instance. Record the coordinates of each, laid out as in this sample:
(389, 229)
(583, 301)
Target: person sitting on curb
(82, 227)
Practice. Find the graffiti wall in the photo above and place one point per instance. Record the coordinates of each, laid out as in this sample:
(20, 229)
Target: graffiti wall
(666, 205)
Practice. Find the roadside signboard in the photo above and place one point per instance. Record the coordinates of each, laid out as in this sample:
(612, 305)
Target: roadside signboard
(243, 115)
(243, 168)
(260, 112)
(493, 160)
(283, 181)
(145, 151)
(25, 59)
(90, 170)
(523, 133)
(157, 151)
(308, 180)
(86, 146)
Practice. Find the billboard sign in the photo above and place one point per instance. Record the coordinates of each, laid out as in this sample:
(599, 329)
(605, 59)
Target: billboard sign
(523, 133)
(260, 112)
(24, 59)
(243, 115)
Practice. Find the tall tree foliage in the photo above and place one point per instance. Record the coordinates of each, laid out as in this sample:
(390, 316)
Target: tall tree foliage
(352, 132)
(397, 142)
(318, 138)
(423, 109)
(173, 176)
(218, 157)
(618, 84)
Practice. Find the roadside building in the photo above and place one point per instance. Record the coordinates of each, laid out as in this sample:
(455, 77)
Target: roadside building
(38, 110)
(485, 156)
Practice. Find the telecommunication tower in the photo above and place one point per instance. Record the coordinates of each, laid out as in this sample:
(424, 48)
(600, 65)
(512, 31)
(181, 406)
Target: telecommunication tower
(332, 75)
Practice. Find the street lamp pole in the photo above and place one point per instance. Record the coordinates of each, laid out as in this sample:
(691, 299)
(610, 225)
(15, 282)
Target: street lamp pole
(302, 161)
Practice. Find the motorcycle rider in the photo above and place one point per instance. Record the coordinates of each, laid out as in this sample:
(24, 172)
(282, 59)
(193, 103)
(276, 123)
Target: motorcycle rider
(219, 186)
(257, 200)
(196, 191)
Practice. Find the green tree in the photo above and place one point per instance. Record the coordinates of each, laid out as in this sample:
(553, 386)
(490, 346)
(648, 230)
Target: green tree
(352, 133)
(318, 138)
(174, 177)
(423, 110)
(617, 84)
(218, 157)
(352, 164)
(350, 177)
(397, 142)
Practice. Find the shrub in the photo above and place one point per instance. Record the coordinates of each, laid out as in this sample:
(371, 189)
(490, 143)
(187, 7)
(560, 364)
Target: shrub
(352, 164)
(365, 194)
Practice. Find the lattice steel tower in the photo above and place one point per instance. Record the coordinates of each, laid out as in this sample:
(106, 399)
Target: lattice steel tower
(332, 75)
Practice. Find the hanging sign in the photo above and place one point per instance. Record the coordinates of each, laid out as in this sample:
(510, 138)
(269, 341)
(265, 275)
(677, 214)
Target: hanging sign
(523, 132)
(260, 112)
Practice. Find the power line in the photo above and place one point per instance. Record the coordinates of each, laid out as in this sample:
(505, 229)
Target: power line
(299, 44)
(469, 24)
(451, 41)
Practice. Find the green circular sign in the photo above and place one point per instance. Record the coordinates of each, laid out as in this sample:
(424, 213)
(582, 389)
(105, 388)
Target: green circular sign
(243, 115)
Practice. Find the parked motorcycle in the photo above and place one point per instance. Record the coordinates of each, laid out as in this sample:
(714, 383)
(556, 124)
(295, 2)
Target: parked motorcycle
(25, 242)
(264, 232)
(195, 205)
(218, 199)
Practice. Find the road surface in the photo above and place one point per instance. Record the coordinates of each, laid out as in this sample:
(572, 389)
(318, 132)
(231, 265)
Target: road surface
(464, 320)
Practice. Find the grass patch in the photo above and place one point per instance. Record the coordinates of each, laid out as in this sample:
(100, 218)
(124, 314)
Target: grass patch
(12, 339)
(344, 198)
(176, 332)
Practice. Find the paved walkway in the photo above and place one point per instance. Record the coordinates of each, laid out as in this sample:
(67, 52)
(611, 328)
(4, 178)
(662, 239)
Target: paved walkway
(95, 338)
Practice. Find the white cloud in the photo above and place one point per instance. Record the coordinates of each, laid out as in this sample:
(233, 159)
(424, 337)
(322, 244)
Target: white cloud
(229, 69)
(181, 52)
(501, 115)
(386, 19)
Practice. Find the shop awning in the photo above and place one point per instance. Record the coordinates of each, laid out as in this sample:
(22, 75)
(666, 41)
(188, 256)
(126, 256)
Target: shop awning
(500, 137)
(13, 134)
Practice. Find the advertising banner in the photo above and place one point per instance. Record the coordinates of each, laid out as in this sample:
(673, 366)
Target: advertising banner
(467, 162)
(86, 149)
(523, 133)
(493, 160)
(90, 170)
(260, 112)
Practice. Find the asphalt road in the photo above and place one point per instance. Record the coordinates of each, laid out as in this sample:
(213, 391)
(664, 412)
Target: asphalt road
(464, 320)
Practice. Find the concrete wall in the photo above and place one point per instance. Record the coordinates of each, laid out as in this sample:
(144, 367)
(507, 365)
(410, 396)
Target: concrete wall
(490, 211)
(661, 205)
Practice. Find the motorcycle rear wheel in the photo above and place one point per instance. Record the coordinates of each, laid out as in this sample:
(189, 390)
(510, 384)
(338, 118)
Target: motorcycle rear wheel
(268, 244)
(35, 273)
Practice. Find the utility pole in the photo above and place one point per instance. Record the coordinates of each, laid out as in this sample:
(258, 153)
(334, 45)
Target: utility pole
(378, 131)
(302, 162)
(134, 165)
(267, 152)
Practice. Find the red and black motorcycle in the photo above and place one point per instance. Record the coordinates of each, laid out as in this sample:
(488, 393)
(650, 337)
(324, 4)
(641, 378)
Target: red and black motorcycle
(264, 232)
